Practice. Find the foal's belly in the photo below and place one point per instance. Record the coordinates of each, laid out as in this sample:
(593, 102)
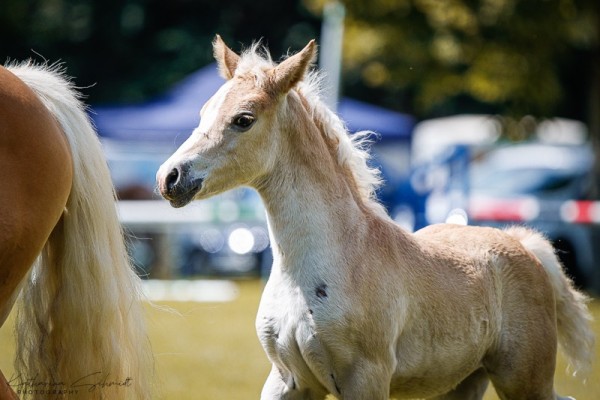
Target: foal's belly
(433, 363)
(434, 382)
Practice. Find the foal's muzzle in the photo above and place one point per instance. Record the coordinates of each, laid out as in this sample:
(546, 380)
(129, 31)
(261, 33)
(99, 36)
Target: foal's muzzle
(177, 186)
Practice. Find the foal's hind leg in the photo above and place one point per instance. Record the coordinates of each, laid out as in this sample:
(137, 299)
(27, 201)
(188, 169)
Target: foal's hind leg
(472, 388)
(523, 364)
(524, 368)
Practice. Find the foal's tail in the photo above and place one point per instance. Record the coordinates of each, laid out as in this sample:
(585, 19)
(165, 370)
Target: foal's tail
(575, 334)
(80, 326)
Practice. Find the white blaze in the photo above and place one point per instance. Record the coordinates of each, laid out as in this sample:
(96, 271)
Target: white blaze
(209, 115)
(210, 111)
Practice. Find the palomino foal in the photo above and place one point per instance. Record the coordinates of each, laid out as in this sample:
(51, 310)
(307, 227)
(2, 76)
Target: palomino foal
(355, 306)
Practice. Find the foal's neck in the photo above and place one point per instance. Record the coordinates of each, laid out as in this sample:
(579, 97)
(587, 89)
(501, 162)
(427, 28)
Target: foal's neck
(314, 210)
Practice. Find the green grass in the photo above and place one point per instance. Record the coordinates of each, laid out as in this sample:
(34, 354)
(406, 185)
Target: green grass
(210, 351)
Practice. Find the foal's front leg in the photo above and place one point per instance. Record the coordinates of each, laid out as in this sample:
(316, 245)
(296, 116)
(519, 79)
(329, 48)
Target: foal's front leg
(368, 380)
(278, 388)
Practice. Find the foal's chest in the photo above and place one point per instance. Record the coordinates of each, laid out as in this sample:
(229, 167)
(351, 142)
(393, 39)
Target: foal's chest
(292, 326)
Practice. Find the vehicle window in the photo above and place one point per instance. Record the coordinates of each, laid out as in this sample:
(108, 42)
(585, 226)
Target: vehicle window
(519, 181)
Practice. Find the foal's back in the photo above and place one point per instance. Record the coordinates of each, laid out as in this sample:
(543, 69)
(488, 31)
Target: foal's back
(492, 262)
(487, 253)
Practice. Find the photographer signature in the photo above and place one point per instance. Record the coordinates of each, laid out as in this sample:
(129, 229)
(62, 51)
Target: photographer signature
(98, 381)
(89, 382)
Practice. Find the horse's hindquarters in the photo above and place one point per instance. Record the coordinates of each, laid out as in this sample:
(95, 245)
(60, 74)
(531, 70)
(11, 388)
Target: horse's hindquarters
(36, 175)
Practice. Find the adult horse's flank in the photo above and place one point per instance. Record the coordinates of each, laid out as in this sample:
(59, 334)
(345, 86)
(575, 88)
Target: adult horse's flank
(355, 306)
(80, 330)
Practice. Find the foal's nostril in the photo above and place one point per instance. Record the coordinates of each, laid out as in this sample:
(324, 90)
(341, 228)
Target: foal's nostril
(172, 179)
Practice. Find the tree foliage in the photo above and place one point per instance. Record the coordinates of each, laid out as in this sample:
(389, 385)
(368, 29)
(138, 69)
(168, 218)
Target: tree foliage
(426, 57)
(506, 56)
(132, 49)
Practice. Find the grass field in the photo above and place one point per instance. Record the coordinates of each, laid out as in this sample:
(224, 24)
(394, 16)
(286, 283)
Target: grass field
(210, 351)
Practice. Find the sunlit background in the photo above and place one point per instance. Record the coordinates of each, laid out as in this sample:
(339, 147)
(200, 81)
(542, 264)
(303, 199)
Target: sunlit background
(485, 112)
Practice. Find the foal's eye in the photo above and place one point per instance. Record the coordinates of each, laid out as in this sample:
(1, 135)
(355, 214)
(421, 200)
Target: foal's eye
(243, 121)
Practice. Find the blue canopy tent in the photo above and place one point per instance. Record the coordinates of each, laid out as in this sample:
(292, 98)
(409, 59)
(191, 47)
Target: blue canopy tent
(170, 118)
(138, 138)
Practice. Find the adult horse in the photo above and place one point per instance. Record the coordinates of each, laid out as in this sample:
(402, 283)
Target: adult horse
(355, 306)
(80, 330)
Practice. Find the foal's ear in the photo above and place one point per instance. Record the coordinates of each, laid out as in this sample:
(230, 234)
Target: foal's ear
(291, 71)
(227, 60)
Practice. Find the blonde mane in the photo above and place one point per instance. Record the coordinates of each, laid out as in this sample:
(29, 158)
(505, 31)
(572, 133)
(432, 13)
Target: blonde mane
(352, 150)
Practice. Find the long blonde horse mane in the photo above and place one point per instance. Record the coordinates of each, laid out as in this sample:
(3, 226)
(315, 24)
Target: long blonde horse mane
(352, 150)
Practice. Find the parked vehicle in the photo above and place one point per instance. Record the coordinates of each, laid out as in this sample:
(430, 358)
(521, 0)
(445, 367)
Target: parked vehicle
(543, 186)
(546, 184)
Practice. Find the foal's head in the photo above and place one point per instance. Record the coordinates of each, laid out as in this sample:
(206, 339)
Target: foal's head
(235, 143)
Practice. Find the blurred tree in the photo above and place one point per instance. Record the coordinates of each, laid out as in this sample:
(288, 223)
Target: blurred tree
(513, 57)
(132, 49)
(426, 57)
